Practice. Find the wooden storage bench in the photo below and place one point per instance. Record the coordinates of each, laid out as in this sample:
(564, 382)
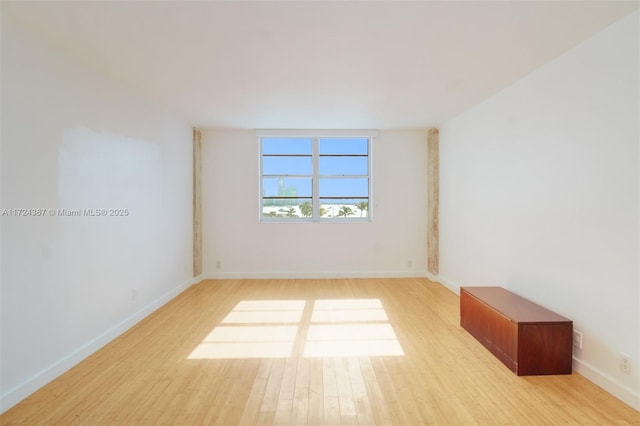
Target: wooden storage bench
(526, 337)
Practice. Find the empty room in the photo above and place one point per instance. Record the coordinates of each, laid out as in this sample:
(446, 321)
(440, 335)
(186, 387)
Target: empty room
(322, 213)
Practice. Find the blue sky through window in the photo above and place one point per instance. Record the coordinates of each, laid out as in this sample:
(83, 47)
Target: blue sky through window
(288, 172)
(344, 146)
(287, 146)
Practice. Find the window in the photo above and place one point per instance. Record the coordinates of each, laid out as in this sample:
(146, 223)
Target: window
(315, 178)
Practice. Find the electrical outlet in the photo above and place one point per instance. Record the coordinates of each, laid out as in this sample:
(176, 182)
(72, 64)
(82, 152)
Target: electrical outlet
(410, 263)
(577, 339)
(625, 363)
(134, 294)
(218, 264)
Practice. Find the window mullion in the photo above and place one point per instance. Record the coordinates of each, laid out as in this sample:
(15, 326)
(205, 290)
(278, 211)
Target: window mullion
(315, 181)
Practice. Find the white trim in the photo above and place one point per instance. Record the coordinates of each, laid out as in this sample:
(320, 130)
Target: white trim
(370, 167)
(606, 382)
(315, 180)
(40, 379)
(445, 282)
(311, 275)
(318, 133)
(306, 220)
(259, 204)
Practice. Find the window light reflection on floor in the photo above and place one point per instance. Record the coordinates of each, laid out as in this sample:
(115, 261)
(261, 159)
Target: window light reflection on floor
(269, 329)
(240, 337)
(352, 340)
(247, 342)
(349, 315)
(358, 327)
(266, 311)
(257, 317)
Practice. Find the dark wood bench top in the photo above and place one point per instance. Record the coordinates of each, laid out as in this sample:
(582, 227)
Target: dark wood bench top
(515, 308)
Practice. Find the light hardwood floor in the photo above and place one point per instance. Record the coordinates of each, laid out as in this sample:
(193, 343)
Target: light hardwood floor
(149, 375)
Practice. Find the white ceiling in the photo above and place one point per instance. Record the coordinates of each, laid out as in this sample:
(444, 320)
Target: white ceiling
(318, 64)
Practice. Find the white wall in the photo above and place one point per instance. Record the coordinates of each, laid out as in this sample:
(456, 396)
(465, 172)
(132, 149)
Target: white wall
(244, 247)
(73, 139)
(539, 194)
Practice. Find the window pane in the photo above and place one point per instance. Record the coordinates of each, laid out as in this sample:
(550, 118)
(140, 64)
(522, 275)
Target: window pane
(286, 165)
(286, 187)
(331, 173)
(343, 166)
(287, 208)
(345, 208)
(344, 146)
(286, 146)
(344, 187)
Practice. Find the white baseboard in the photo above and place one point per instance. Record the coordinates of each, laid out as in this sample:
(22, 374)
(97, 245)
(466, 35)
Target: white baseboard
(309, 275)
(445, 282)
(29, 386)
(623, 393)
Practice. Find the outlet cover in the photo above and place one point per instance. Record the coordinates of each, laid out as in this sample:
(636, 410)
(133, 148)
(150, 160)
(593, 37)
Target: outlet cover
(625, 363)
(577, 339)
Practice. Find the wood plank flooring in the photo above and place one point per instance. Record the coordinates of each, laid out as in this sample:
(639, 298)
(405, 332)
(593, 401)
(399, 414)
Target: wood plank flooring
(149, 376)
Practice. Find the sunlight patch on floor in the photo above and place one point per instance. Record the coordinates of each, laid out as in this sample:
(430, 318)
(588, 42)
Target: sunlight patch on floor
(242, 350)
(261, 317)
(261, 333)
(348, 315)
(357, 327)
(275, 328)
(349, 331)
(245, 334)
(353, 348)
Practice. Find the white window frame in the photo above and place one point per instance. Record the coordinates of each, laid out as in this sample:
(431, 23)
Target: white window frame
(315, 135)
